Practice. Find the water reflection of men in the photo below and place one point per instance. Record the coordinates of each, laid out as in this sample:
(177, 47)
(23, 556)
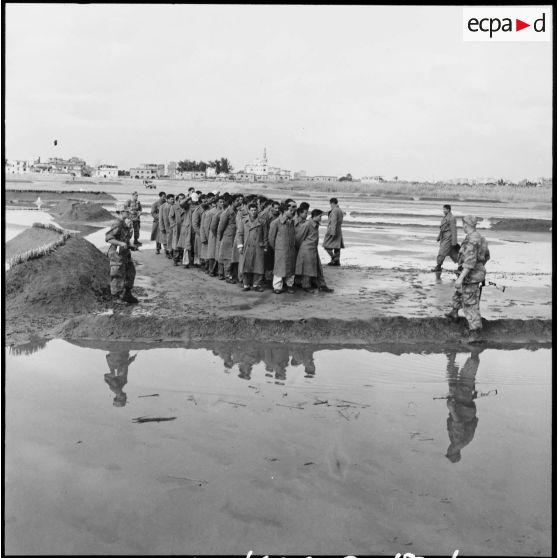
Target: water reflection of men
(462, 419)
(305, 356)
(118, 363)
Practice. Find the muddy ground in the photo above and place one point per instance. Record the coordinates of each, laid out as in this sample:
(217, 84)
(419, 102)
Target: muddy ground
(369, 306)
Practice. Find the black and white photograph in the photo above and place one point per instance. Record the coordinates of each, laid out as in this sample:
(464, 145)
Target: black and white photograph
(278, 280)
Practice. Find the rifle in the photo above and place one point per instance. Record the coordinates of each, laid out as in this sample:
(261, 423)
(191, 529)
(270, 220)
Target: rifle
(476, 394)
(489, 283)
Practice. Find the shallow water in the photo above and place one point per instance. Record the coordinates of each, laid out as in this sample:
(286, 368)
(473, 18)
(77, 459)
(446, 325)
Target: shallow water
(277, 449)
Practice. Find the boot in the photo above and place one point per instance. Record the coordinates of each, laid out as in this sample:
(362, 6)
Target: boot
(437, 269)
(325, 289)
(474, 336)
(129, 297)
(453, 315)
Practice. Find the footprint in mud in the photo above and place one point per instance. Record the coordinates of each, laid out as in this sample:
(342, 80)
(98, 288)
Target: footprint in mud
(338, 462)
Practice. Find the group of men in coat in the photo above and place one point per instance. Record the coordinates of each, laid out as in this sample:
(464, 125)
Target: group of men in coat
(247, 239)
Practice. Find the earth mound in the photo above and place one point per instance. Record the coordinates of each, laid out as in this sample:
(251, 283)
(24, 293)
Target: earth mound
(72, 279)
(526, 225)
(69, 211)
(30, 239)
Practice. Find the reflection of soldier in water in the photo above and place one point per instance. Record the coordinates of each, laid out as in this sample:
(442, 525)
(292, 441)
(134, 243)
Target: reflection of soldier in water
(462, 418)
(118, 362)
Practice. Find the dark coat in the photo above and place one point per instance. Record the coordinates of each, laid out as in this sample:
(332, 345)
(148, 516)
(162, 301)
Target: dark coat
(196, 226)
(185, 239)
(253, 236)
(226, 231)
(282, 240)
(212, 246)
(240, 215)
(176, 216)
(164, 223)
(155, 228)
(307, 238)
(204, 233)
(333, 238)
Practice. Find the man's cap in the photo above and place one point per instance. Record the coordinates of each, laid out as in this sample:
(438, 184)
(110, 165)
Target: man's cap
(471, 220)
(194, 197)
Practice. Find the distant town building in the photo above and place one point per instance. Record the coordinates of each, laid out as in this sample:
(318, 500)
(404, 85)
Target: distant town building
(148, 170)
(266, 173)
(172, 169)
(74, 166)
(298, 175)
(244, 176)
(190, 175)
(373, 179)
(320, 178)
(17, 166)
(107, 171)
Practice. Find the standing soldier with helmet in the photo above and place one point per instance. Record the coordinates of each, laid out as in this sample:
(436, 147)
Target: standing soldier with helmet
(134, 207)
(122, 269)
(473, 254)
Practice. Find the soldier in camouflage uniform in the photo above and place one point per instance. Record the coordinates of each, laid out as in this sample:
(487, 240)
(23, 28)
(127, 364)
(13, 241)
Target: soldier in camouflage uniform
(473, 254)
(122, 269)
(134, 207)
(462, 419)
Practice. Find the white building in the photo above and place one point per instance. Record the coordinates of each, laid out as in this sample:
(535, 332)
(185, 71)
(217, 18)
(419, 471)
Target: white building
(106, 171)
(17, 166)
(261, 169)
(148, 170)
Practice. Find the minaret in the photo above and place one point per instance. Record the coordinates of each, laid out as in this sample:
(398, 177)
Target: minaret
(264, 160)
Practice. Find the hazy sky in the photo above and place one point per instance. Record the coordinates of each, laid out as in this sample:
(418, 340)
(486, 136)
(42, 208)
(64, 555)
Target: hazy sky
(369, 90)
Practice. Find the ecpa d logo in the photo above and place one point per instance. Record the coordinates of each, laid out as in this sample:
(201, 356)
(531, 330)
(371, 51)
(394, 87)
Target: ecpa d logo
(507, 24)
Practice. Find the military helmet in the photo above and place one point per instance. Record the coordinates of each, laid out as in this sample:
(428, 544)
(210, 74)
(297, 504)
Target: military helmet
(471, 220)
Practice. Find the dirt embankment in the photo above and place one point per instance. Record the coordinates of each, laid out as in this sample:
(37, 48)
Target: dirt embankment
(66, 294)
(30, 239)
(42, 293)
(527, 225)
(76, 211)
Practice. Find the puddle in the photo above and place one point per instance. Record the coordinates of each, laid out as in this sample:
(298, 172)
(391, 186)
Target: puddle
(278, 449)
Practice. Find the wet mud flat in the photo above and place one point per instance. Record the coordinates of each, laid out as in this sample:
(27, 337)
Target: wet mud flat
(277, 448)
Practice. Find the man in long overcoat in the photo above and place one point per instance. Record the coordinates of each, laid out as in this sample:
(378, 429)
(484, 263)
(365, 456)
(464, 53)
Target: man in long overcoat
(282, 240)
(225, 234)
(186, 241)
(252, 243)
(164, 225)
(333, 239)
(307, 237)
(213, 247)
(155, 229)
(176, 215)
(447, 237)
(267, 216)
(204, 233)
(197, 211)
(236, 258)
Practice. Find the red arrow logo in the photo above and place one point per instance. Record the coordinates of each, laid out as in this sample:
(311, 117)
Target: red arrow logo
(519, 25)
